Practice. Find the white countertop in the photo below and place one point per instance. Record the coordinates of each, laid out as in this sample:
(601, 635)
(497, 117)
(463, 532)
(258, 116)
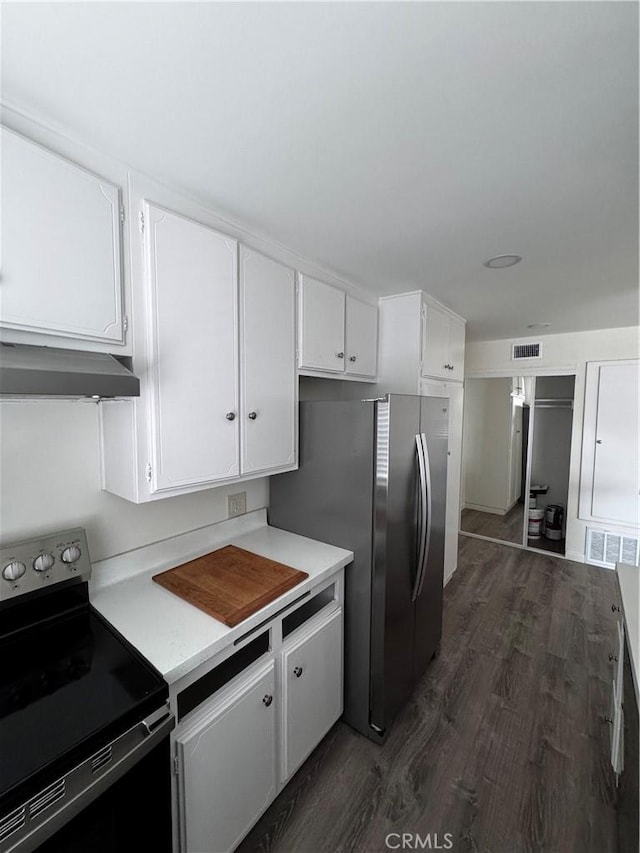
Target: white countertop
(629, 582)
(176, 636)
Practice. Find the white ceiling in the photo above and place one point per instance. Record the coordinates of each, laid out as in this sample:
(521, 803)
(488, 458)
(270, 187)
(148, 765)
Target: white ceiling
(399, 145)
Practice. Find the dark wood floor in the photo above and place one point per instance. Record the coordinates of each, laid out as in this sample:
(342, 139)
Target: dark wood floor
(503, 744)
(508, 528)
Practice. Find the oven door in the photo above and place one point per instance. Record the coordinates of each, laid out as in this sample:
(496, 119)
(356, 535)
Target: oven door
(117, 800)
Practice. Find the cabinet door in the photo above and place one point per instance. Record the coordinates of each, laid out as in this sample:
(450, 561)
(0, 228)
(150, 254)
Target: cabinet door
(227, 762)
(361, 338)
(615, 470)
(269, 382)
(192, 327)
(456, 348)
(435, 343)
(321, 326)
(61, 246)
(312, 690)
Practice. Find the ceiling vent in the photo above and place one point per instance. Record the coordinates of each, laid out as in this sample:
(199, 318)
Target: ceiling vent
(526, 351)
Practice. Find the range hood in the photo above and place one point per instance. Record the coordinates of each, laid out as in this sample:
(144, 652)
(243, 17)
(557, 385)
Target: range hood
(50, 372)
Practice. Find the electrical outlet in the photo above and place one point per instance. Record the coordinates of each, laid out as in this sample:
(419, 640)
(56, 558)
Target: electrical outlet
(236, 504)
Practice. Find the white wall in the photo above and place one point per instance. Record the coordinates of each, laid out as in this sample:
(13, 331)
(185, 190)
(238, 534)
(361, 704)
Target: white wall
(50, 480)
(567, 353)
(487, 444)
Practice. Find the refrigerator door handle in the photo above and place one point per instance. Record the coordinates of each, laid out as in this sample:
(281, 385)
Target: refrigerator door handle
(422, 516)
(427, 466)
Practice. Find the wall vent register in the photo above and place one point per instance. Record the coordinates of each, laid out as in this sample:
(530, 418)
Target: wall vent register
(519, 351)
(606, 549)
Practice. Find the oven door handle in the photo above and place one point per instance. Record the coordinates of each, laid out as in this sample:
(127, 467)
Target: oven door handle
(50, 809)
(152, 722)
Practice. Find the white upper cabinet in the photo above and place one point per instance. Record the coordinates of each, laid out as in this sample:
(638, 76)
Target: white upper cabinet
(215, 347)
(322, 310)
(361, 346)
(269, 382)
(192, 330)
(61, 247)
(442, 344)
(338, 333)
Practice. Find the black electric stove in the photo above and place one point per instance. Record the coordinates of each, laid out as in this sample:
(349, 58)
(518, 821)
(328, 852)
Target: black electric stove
(76, 699)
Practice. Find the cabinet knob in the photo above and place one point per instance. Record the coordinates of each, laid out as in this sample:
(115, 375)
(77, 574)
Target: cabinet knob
(615, 608)
(598, 441)
(230, 416)
(607, 720)
(267, 700)
(252, 416)
(613, 657)
(297, 671)
(339, 355)
(352, 358)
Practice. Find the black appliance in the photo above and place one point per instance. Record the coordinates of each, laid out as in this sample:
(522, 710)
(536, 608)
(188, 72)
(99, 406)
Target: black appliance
(84, 718)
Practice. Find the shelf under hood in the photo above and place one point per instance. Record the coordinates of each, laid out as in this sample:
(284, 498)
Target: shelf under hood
(50, 372)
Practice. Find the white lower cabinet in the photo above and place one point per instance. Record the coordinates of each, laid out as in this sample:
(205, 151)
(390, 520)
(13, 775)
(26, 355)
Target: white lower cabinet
(311, 689)
(227, 759)
(235, 752)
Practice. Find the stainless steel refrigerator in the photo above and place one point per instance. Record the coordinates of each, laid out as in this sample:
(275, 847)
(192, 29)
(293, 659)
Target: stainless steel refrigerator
(372, 479)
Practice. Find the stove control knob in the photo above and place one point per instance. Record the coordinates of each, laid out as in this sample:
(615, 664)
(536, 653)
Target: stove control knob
(13, 571)
(71, 554)
(43, 563)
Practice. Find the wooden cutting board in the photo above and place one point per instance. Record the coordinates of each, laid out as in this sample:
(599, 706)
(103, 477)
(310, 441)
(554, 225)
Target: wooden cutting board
(230, 584)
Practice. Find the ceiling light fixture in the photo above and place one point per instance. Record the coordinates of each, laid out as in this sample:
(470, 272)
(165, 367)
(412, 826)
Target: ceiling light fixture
(502, 261)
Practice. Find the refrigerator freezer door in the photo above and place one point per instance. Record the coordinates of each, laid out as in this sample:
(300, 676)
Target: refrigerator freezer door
(395, 556)
(434, 426)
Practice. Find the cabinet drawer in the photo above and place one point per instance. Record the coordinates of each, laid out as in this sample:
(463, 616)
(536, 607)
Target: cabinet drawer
(312, 689)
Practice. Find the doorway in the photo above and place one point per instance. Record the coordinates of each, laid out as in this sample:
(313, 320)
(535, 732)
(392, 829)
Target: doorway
(516, 455)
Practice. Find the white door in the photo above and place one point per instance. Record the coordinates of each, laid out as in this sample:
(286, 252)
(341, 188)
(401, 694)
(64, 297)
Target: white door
(312, 690)
(361, 338)
(269, 381)
(456, 348)
(61, 246)
(615, 473)
(321, 326)
(435, 343)
(192, 326)
(227, 761)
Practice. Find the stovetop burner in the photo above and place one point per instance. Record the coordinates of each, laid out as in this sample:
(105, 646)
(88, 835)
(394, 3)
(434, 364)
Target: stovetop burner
(68, 681)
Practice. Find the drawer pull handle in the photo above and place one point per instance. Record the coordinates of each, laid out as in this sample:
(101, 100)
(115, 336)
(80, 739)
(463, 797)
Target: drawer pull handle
(613, 657)
(297, 671)
(267, 700)
(615, 608)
